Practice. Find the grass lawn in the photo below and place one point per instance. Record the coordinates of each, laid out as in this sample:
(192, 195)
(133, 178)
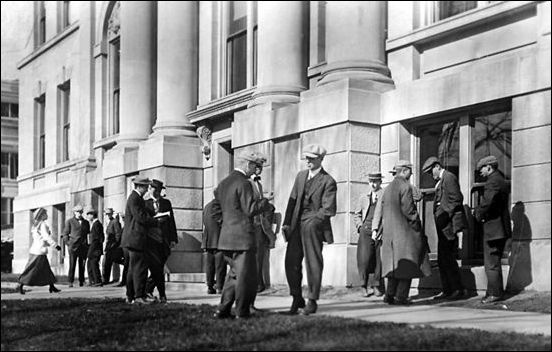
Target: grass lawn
(85, 324)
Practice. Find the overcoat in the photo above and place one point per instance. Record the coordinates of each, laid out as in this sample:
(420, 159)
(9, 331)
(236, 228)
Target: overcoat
(137, 222)
(493, 210)
(447, 206)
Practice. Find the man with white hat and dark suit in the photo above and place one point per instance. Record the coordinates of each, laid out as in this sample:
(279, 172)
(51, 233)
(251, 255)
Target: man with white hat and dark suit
(306, 226)
(75, 234)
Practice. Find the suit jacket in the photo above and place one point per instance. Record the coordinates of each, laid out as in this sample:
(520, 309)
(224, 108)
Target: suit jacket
(166, 225)
(494, 210)
(96, 240)
(234, 196)
(75, 234)
(264, 219)
(447, 206)
(322, 194)
(137, 223)
(211, 227)
(364, 203)
(113, 233)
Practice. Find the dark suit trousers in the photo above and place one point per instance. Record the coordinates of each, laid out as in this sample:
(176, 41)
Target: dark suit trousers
(215, 268)
(261, 253)
(93, 265)
(448, 267)
(241, 282)
(107, 265)
(75, 255)
(137, 275)
(366, 256)
(492, 256)
(155, 259)
(398, 288)
(125, 266)
(308, 244)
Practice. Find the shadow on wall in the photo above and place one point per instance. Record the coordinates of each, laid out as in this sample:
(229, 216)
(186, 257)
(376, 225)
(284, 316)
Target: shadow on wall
(520, 275)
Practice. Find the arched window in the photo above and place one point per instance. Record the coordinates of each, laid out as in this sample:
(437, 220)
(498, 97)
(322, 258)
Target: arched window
(113, 66)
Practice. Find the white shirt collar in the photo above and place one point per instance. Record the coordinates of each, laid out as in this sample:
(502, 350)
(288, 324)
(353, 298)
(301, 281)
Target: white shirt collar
(240, 170)
(313, 173)
(441, 173)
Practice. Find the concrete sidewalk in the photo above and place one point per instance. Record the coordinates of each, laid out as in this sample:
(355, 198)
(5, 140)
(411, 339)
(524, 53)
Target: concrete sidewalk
(368, 309)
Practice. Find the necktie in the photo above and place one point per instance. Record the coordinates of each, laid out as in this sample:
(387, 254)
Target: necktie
(156, 205)
(257, 178)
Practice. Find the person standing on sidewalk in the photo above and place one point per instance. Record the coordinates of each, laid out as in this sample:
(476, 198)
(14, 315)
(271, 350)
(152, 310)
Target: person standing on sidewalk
(306, 226)
(95, 248)
(368, 248)
(494, 213)
(75, 232)
(404, 248)
(449, 221)
(113, 253)
(215, 266)
(37, 271)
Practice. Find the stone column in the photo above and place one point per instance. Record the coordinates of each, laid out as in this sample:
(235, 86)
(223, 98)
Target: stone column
(177, 48)
(355, 41)
(282, 55)
(137, 71)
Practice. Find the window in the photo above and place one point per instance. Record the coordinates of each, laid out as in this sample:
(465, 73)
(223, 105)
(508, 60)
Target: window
(447, 9)
(236, 47)
(10, 110)
(9, 165)
(41, 24)
(64, 94)
(113, 39)
(7, 213)
(40, 109)
(65, 14)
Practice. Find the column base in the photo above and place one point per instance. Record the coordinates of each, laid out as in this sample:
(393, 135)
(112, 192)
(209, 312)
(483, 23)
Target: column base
(276, 94)
(356, 69)
(173, 129)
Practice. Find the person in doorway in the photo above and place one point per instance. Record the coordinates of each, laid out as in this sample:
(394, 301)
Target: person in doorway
(95, 248)
(75, 232)
(37, 272)
(113, 252)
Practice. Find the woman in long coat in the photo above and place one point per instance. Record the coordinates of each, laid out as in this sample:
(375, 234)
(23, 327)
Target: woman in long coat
(38, 271)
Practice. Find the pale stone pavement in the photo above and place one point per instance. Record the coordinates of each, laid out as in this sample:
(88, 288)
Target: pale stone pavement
(368, 309)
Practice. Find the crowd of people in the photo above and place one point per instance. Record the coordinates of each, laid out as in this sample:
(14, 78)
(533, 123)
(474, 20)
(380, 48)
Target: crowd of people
(238, 235)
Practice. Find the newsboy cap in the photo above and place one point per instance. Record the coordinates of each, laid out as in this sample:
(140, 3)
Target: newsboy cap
(157, 184)
(78, 208)
(109, 211)
(428, 165)
(261, 158)
(251, 156)
(403, 163)
(141, 180)
(488, 160)
(375, 176)
(314, 151)
(92, 211)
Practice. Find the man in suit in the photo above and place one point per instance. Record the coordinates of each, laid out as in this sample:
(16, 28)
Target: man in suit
(75, 233)
(306, 226)
(161, 239)
(368, 247)
(113, 252)
(494, 213)
(263, 227)
(215, 266)
(404, 251)
(234, 195)
(95, 248)
(449, 217)
(138, 221)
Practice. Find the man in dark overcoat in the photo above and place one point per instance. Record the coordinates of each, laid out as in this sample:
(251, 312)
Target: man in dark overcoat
(75, 233)
(95, 248)
(138, 221)
(234, 196)
(404, 248)
(161, 238)
(306, 226)
(494, 213)
(215, 266)
(113, 253)
(449, 218)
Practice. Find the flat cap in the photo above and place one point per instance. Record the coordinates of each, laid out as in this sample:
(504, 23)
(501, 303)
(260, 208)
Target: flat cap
(109, 211)
(403, 163)
(261, 158)
(314, 151)
(141, 180)
(78, 207)
(428, 165)
(252, 156)
(488, 160)
(375, 176)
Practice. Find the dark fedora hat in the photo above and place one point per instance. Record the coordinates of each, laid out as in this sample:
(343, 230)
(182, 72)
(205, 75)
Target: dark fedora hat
(157, 184)
(375, 176)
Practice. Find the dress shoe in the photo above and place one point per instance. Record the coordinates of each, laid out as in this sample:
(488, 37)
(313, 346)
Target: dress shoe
(211, 291)
(442, 295)
(219, 291)
(402, 302)
(129, 300)
(120, 284)
(163, 300)
(458, 294)
(20, 289)
(298, 302)
(144, 300)
(310, 308)
(223, 315)
(260, 288)
(490, 299)
(377, 292)
(81, 284)
(388, 299)
(54, 289)
(70, 284)
(368, 291)
(242, 317)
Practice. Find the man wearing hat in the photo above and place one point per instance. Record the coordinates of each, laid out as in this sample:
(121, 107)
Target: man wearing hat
(215, 266)
(404, 251)
(160, 239)
(95, 248)
(449, 217)
(494, 213)
(306, 226)
(113, 251)
(237, 205)
(138, 221)
(368, 248)
(75, 234)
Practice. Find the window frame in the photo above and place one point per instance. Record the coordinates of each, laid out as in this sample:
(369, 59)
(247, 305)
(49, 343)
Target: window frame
(64, 94)
(40, 130)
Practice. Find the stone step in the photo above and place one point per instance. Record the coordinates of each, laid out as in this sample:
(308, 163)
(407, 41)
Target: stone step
(473, 278)
(191, 287)
(186, 277)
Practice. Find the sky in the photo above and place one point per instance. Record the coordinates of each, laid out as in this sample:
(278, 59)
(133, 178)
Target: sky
(17, 32)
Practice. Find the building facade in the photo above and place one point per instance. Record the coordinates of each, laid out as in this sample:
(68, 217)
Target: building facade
(173, 90)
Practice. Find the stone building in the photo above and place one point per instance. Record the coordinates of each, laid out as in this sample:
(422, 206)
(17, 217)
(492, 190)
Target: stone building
(172, 90)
